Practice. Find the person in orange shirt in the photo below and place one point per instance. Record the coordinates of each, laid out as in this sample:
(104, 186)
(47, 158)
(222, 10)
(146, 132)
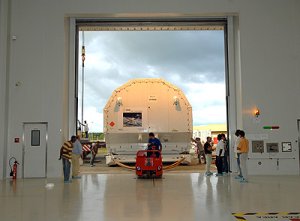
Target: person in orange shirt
(243, 148)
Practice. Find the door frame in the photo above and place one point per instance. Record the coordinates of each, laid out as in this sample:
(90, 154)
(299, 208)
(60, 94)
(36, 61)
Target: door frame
(23, 145)
(298, 141)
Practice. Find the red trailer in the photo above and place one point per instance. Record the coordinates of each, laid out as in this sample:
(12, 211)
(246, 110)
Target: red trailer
(149, 163)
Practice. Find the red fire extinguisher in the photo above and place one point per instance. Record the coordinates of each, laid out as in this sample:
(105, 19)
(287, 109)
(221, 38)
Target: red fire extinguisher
(14, 168)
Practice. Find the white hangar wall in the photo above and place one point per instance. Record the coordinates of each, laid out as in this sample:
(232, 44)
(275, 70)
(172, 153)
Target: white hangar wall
(35, 66)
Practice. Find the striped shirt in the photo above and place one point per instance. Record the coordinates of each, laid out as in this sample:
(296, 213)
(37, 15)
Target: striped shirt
(66, 150)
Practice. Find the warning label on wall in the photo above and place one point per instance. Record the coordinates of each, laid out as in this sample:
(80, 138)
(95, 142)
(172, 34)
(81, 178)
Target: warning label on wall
(280, 216)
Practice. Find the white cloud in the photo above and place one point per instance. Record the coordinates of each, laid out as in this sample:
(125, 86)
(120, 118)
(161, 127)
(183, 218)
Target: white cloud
(94, 118)
(208, 102)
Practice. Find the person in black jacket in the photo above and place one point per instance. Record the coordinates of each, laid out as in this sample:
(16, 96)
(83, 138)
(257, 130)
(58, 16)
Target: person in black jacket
(208, 155)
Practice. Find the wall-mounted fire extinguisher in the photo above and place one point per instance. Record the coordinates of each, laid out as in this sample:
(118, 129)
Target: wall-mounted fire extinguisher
(14, 167)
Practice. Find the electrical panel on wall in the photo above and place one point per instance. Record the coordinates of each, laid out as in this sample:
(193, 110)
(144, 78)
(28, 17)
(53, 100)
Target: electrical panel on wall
(272, 147)
(258, 146)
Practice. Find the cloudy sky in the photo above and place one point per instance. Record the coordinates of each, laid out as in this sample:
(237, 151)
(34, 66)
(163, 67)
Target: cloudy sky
(191, 60)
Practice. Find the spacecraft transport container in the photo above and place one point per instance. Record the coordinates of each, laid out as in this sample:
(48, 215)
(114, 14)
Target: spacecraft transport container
(147, 105)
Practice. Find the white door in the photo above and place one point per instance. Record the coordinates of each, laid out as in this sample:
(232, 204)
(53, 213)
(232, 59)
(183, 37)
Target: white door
(34, 150)
(298, 141)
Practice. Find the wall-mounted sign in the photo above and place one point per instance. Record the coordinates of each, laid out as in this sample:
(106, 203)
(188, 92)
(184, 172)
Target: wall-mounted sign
(286, 147)
(133, 119)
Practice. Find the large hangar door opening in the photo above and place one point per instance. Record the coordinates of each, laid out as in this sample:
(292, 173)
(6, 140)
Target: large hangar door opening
(189, 54)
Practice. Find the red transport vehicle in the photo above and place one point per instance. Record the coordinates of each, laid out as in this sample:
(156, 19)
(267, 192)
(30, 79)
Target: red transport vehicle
(149, 163)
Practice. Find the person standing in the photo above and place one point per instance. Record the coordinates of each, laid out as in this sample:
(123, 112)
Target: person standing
(237, 154)
(208, 155)
(219, 155)
(76, 154)
(155, 143)
(226, 155)
(243, 147)
(86, 129)
(94, 151)
(200, 149)
(66, 156)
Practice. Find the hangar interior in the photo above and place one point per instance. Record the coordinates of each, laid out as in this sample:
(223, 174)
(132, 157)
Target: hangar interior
(37, 88)
(37, 66)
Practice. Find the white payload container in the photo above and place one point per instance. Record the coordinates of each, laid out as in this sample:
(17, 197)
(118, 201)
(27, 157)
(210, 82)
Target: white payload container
(147, 105)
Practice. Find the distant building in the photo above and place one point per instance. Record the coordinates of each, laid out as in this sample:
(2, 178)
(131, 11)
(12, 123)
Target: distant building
(211, 130)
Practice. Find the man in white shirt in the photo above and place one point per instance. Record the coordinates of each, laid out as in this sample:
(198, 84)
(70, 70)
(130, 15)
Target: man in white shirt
(86, 129)
(220, 155)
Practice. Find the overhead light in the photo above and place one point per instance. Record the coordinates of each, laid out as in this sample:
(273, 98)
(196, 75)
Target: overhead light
(119, 101)
(175, 100)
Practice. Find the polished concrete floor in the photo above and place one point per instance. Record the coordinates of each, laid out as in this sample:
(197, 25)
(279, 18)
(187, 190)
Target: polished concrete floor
(177, 196)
